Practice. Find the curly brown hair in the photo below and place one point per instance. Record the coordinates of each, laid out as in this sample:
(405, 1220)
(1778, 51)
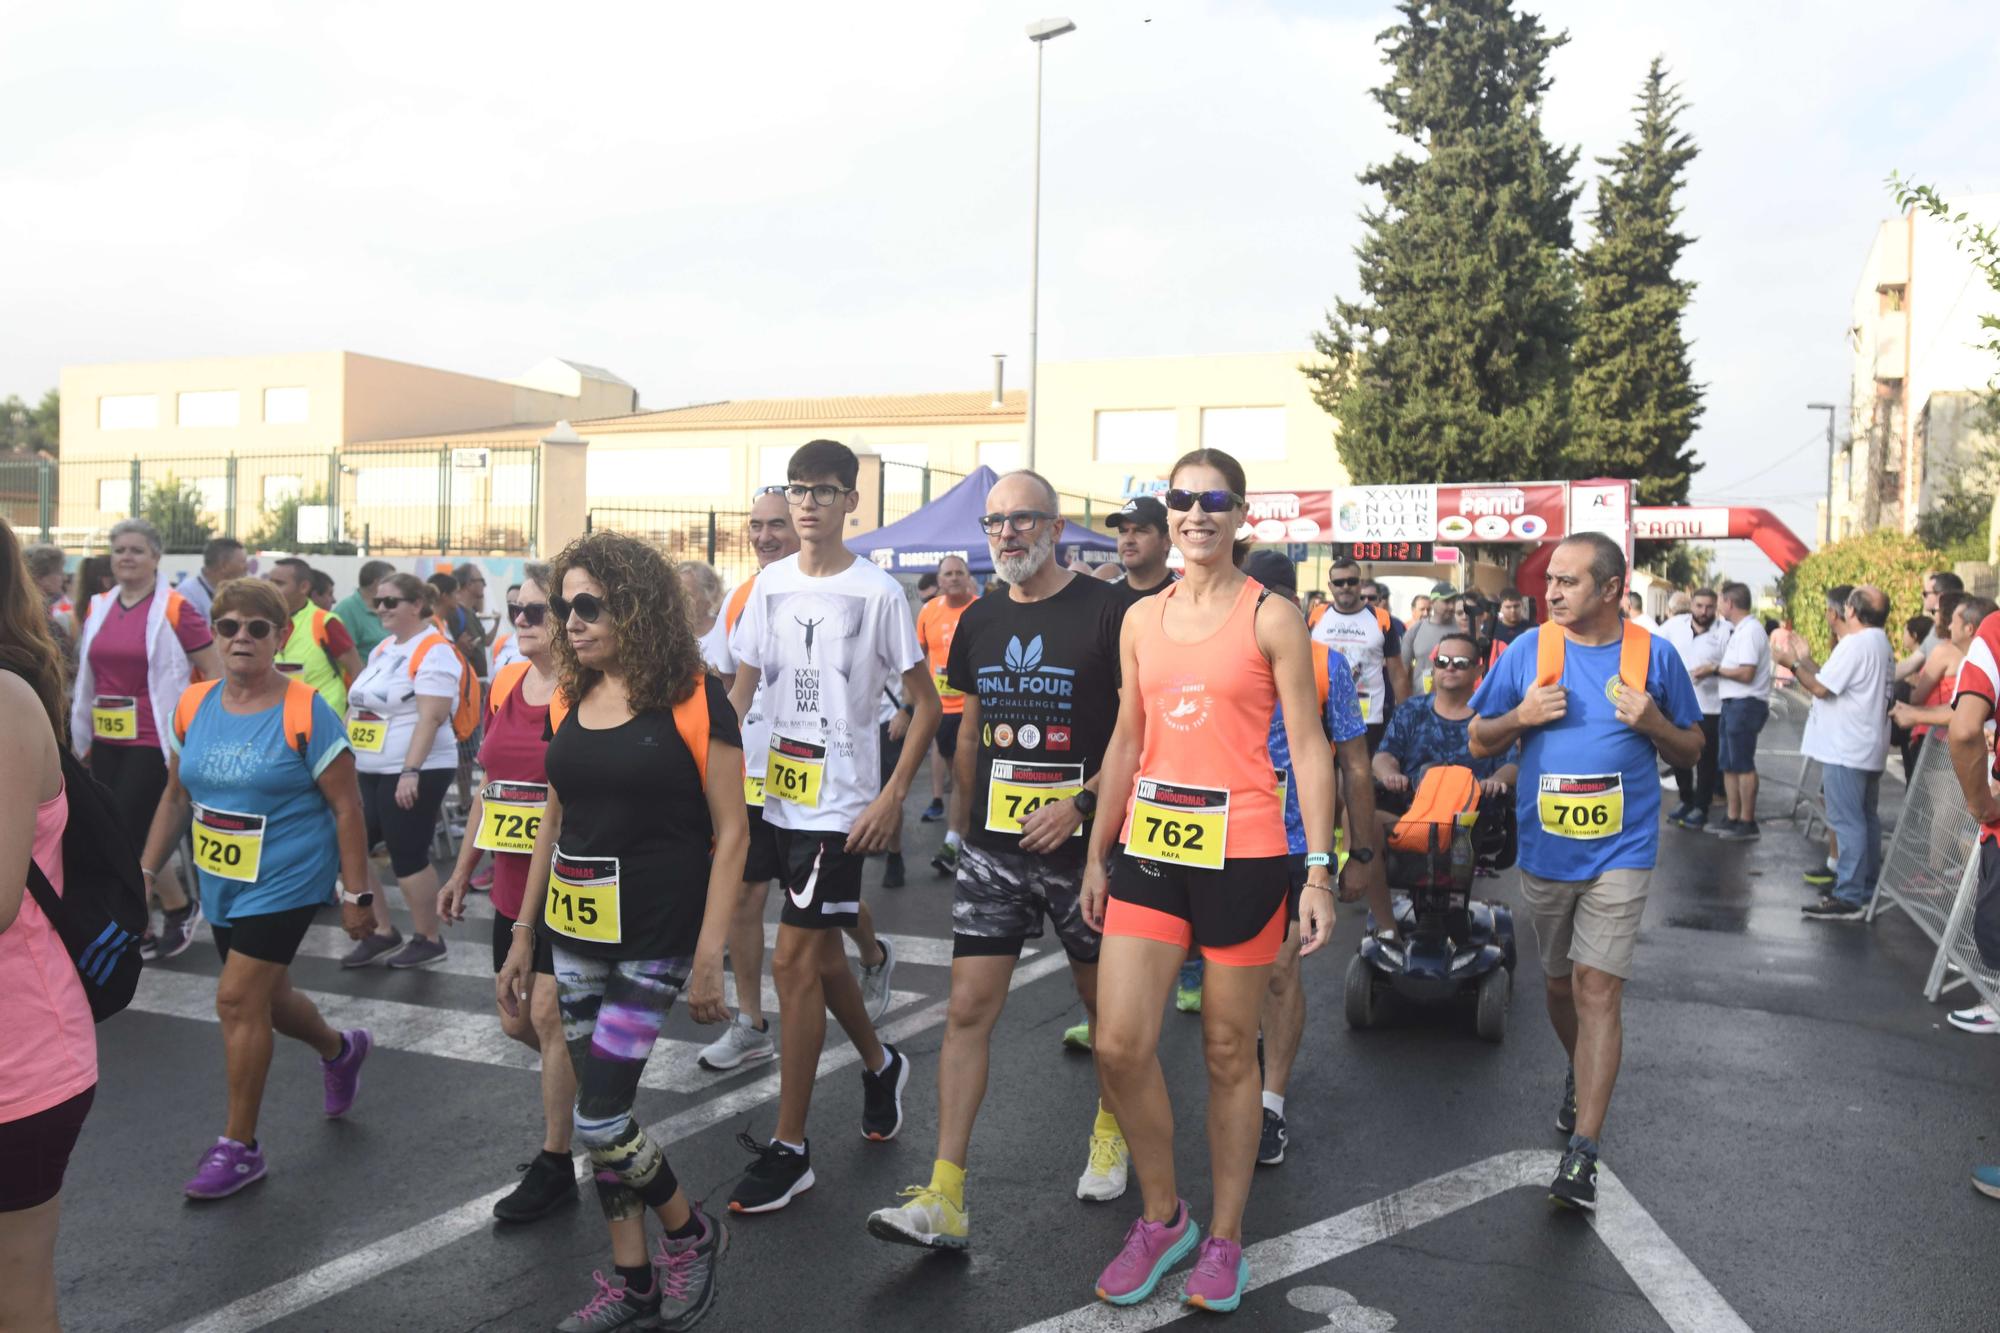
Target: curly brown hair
(658, 657)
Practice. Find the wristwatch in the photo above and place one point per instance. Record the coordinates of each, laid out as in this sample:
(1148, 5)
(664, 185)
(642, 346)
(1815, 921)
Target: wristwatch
(364, 899)
(1086, 802)
(1363, 855)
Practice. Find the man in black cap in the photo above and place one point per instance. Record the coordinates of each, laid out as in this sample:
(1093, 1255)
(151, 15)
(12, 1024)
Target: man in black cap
(1142, 545)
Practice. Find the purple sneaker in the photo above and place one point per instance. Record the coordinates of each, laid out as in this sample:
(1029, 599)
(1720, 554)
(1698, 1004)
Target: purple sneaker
(343, 1072)
(1220, 1277)
(1151, 1248)
(227, 1168)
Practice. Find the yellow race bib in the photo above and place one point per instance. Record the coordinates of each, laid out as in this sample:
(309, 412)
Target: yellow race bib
(1284, 785)
(114, 717)
(753, 791)
(1584, 807)
(1014, 791)
(944, 691)
(794, 770)
(583, 898)
(226, 844)
(511, 815)
(1179, 825)
(367, 731)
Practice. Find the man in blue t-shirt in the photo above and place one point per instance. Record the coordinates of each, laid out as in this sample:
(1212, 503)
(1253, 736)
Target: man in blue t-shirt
(1588, 805)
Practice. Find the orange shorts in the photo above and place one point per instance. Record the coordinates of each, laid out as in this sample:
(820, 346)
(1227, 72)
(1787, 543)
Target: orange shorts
(1236, 916)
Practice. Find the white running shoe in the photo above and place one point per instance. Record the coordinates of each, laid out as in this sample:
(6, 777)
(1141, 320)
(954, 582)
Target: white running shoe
(1980, 1018)
(1110, 1162)
(739, 1044)
(875, 983)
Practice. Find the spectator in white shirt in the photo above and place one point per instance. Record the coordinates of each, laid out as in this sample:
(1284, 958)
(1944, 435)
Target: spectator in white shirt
(1745, 691)
(1700, 637)
(1848, 733)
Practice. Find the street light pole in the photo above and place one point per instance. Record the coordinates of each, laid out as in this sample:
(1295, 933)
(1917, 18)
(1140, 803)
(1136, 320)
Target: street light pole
(1039, 34)
(1826, 534)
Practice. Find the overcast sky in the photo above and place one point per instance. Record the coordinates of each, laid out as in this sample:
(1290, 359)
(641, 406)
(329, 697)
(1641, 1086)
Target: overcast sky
(724, 201)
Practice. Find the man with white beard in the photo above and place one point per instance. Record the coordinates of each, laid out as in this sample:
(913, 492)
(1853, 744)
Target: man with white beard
(1039, 670)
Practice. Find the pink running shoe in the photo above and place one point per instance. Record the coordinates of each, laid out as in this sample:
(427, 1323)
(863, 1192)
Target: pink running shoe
(482, 879)
(343, 1072)
(227, 1168)
(1151, 1248)
(1221, 1275)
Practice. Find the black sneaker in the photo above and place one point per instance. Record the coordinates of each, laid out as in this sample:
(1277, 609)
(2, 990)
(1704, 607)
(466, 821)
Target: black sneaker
(1830, 908)
(1742, 830)
(946, 861)
(546, 1185)
(778, 1176)
(893, 873)
(1566, 1113)
(1819, 879)
(1576, 1180)
(1271, 1146)
(1723, 827)
(882, 1097)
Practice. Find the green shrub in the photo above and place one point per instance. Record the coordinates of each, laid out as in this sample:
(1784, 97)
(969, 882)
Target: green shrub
(1893, 561)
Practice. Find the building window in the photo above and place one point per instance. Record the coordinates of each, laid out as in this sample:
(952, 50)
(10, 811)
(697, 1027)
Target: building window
(1889, 298)
(772, 460)
(1144, 435)
(214, 495)
(1003, 455)
(209, 407)
(514, 483)
(392, 487)
(1249, 434)
(278, 489)
(128, 411)
(114, 495)
(285, 407)
(614, 475)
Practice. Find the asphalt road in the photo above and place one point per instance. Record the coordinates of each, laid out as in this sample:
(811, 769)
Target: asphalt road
(1788, 1149)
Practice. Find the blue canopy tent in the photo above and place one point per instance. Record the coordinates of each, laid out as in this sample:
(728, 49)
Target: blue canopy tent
(949, 525)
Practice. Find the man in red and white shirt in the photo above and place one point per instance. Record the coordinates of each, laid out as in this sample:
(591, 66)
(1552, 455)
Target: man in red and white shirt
(1972, 709)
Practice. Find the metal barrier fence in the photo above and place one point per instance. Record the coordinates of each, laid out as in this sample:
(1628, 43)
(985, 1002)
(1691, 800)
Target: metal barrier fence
(1930, 870)
(414, 501)
(719, 537)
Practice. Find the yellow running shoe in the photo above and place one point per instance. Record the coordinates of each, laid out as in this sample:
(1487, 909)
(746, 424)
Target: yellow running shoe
(1110, 1162)
(930, 1220)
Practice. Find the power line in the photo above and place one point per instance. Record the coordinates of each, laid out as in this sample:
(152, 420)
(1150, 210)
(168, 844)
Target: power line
(1815, 438)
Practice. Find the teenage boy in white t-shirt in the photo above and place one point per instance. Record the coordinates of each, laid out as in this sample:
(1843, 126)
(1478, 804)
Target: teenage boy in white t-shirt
(824, 632)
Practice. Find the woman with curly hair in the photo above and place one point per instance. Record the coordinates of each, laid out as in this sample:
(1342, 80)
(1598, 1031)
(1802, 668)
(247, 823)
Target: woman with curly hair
(645, 769)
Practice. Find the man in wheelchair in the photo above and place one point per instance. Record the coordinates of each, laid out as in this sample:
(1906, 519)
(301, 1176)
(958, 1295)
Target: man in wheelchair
(1430, 732)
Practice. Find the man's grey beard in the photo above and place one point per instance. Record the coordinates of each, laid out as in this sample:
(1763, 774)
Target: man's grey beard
(1018, 569)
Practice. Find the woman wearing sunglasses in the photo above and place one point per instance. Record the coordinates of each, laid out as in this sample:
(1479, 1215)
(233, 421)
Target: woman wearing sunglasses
(1203, 865)
(262, 764)
(505, 816)
(636, 869)
(398, 712)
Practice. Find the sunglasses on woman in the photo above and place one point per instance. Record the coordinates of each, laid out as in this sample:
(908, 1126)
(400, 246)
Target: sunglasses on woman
(229, 627)
(529, 614)
(588, 607)
(1211, 502)
(389, 603)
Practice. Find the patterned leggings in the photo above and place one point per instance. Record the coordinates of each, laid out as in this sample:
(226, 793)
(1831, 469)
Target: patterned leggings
(612, 1011)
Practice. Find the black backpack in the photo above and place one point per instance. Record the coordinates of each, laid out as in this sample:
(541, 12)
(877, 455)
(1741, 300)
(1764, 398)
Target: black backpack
(101, 912)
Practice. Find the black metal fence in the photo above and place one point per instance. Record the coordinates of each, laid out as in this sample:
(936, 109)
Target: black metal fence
(410, 501)
(719, 537)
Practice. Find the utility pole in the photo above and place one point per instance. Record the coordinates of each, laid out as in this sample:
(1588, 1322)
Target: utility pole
(1826, 532)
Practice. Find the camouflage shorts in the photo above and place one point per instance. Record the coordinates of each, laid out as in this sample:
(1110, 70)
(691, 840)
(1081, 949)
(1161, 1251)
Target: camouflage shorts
(1001, 897)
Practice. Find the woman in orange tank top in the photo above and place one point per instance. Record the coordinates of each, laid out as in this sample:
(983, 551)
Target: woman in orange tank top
(1201, 864)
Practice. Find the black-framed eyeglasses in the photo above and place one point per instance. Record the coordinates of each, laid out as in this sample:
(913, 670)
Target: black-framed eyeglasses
(1343, 583)
(822, 495)
(1020, 520)
(1211, 502)
(1455, 663)
(587, 606)
(389, 603)
(529, 614)
(229, 627)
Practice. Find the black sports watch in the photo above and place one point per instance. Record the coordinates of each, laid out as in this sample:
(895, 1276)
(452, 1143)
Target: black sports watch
(1363, 855)
(1086, 802)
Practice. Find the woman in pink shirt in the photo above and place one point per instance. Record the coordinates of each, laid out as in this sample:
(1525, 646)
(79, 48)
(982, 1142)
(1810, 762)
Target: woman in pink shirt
(48, 1059)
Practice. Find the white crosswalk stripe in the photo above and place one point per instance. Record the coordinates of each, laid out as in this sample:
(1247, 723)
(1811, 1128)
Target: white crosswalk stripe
(419, 1029)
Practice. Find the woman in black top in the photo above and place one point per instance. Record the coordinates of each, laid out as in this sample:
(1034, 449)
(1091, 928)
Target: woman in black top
(645, 774)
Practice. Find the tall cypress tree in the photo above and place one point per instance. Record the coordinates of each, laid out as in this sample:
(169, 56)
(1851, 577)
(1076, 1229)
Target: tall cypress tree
(1636, 402)
(1456, 364)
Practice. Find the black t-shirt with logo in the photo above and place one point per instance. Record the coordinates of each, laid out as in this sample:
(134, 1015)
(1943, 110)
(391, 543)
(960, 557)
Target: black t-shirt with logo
(1046, 677)
(632, 792)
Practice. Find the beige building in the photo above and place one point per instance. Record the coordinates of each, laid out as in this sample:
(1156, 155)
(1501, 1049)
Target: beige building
(1917, 373)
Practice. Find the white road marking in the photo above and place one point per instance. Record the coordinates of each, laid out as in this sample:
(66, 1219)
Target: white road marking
(452, 1034)
(370, 1262)
(1664, 1275)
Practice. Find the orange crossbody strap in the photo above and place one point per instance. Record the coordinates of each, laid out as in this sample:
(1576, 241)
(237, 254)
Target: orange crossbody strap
(691, 720)
(558, 710)
(174, 604)
(504, 681)
(737, 601)
(297, 716)
(190, 700)
(1322, 675)
(1635, 654)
